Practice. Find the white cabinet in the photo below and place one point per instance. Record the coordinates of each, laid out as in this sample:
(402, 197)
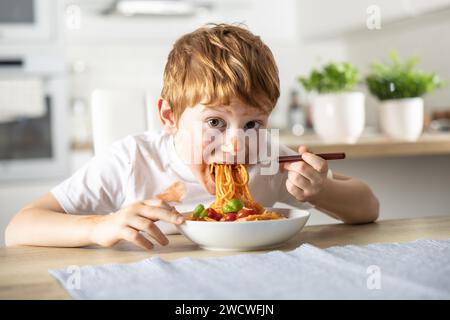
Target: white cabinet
(273, 20)
(325, 18)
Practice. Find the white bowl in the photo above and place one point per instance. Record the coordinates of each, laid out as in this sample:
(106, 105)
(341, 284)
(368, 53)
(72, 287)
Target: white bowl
(245, 235)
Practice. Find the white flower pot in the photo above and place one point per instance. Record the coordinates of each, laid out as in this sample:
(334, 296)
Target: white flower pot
(402, 118)
(339, 117)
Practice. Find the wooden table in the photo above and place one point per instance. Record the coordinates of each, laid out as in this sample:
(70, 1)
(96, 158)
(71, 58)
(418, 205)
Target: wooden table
(24, 270)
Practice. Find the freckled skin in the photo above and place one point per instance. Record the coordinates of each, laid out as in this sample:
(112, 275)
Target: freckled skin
(92, 218)
(174, 193)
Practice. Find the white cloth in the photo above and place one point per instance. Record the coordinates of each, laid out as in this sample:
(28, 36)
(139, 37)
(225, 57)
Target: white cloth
(140, 167)
(416, 270)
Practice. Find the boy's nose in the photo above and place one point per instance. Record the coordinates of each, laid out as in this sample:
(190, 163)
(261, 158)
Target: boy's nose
(231, 146)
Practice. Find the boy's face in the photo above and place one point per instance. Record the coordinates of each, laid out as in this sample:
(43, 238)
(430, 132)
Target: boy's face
(218, 134)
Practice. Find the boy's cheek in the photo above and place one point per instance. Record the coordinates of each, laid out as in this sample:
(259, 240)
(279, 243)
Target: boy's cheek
(211, 151)
(205, 144)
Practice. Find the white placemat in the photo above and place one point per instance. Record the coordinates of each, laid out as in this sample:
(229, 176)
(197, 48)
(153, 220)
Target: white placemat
(416, 270)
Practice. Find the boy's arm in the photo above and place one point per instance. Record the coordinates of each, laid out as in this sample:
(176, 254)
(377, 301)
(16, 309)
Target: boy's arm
(347, 199)
(44, 223)
(344, 198)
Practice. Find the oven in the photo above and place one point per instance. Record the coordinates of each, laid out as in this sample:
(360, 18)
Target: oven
(34, 137)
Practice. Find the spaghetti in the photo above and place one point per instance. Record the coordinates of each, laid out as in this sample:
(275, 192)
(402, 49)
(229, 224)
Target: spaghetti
(232, 182)
(233, 199)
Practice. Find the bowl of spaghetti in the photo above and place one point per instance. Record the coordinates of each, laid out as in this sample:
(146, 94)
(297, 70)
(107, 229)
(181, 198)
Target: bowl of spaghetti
(235, 221)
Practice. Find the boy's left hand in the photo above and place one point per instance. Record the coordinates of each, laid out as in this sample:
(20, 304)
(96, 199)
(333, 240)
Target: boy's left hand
(306, 178)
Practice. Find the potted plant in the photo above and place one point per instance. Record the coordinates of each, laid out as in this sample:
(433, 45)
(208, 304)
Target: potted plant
(338, 113)
(399, 87)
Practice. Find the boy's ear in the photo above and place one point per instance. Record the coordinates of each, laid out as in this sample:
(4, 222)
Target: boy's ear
(166, 116)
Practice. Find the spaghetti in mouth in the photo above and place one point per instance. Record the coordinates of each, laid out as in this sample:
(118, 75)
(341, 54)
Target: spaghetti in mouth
(234, 201)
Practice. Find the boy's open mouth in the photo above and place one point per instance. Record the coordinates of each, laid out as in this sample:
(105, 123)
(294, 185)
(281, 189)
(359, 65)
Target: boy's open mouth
(209, 179)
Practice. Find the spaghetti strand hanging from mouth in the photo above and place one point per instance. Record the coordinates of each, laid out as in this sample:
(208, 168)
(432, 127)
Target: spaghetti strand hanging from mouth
(232, 182)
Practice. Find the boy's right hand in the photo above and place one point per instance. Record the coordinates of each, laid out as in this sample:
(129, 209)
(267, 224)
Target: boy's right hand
(127, 223)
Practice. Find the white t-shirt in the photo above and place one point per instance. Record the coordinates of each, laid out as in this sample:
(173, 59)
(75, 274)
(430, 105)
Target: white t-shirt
(140, 167)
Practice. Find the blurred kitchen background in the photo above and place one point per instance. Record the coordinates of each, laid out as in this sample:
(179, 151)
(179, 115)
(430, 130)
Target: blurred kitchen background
(55, 54)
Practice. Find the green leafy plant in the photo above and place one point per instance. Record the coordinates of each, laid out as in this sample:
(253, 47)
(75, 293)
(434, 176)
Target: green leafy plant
(333, 77)
(397, 79)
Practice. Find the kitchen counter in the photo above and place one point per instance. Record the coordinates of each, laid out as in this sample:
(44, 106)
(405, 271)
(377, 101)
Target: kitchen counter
(372, 145)
(24, 270)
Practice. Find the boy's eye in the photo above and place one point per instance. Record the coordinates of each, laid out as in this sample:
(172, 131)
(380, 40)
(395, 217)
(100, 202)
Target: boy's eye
(216, 123)
(252, 125)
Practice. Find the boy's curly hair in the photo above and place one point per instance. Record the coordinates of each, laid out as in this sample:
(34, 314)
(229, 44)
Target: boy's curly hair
(216, 63)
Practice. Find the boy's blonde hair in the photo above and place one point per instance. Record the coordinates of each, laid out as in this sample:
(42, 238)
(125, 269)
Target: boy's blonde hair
(217, 63)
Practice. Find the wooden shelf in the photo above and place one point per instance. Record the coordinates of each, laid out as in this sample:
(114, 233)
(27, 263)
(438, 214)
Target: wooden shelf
(372, 145)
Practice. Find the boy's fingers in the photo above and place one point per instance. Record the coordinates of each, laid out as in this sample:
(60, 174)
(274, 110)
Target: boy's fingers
(303, 149)
(305, 170)
(149, 227)
(157, 203)
(300, 167)
(157, 213)
(298, 180)
(316, 162)
(157, 234)
(293, 190)
(133, 236)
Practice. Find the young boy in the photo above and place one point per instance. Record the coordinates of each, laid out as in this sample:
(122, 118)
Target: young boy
(221, 78)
